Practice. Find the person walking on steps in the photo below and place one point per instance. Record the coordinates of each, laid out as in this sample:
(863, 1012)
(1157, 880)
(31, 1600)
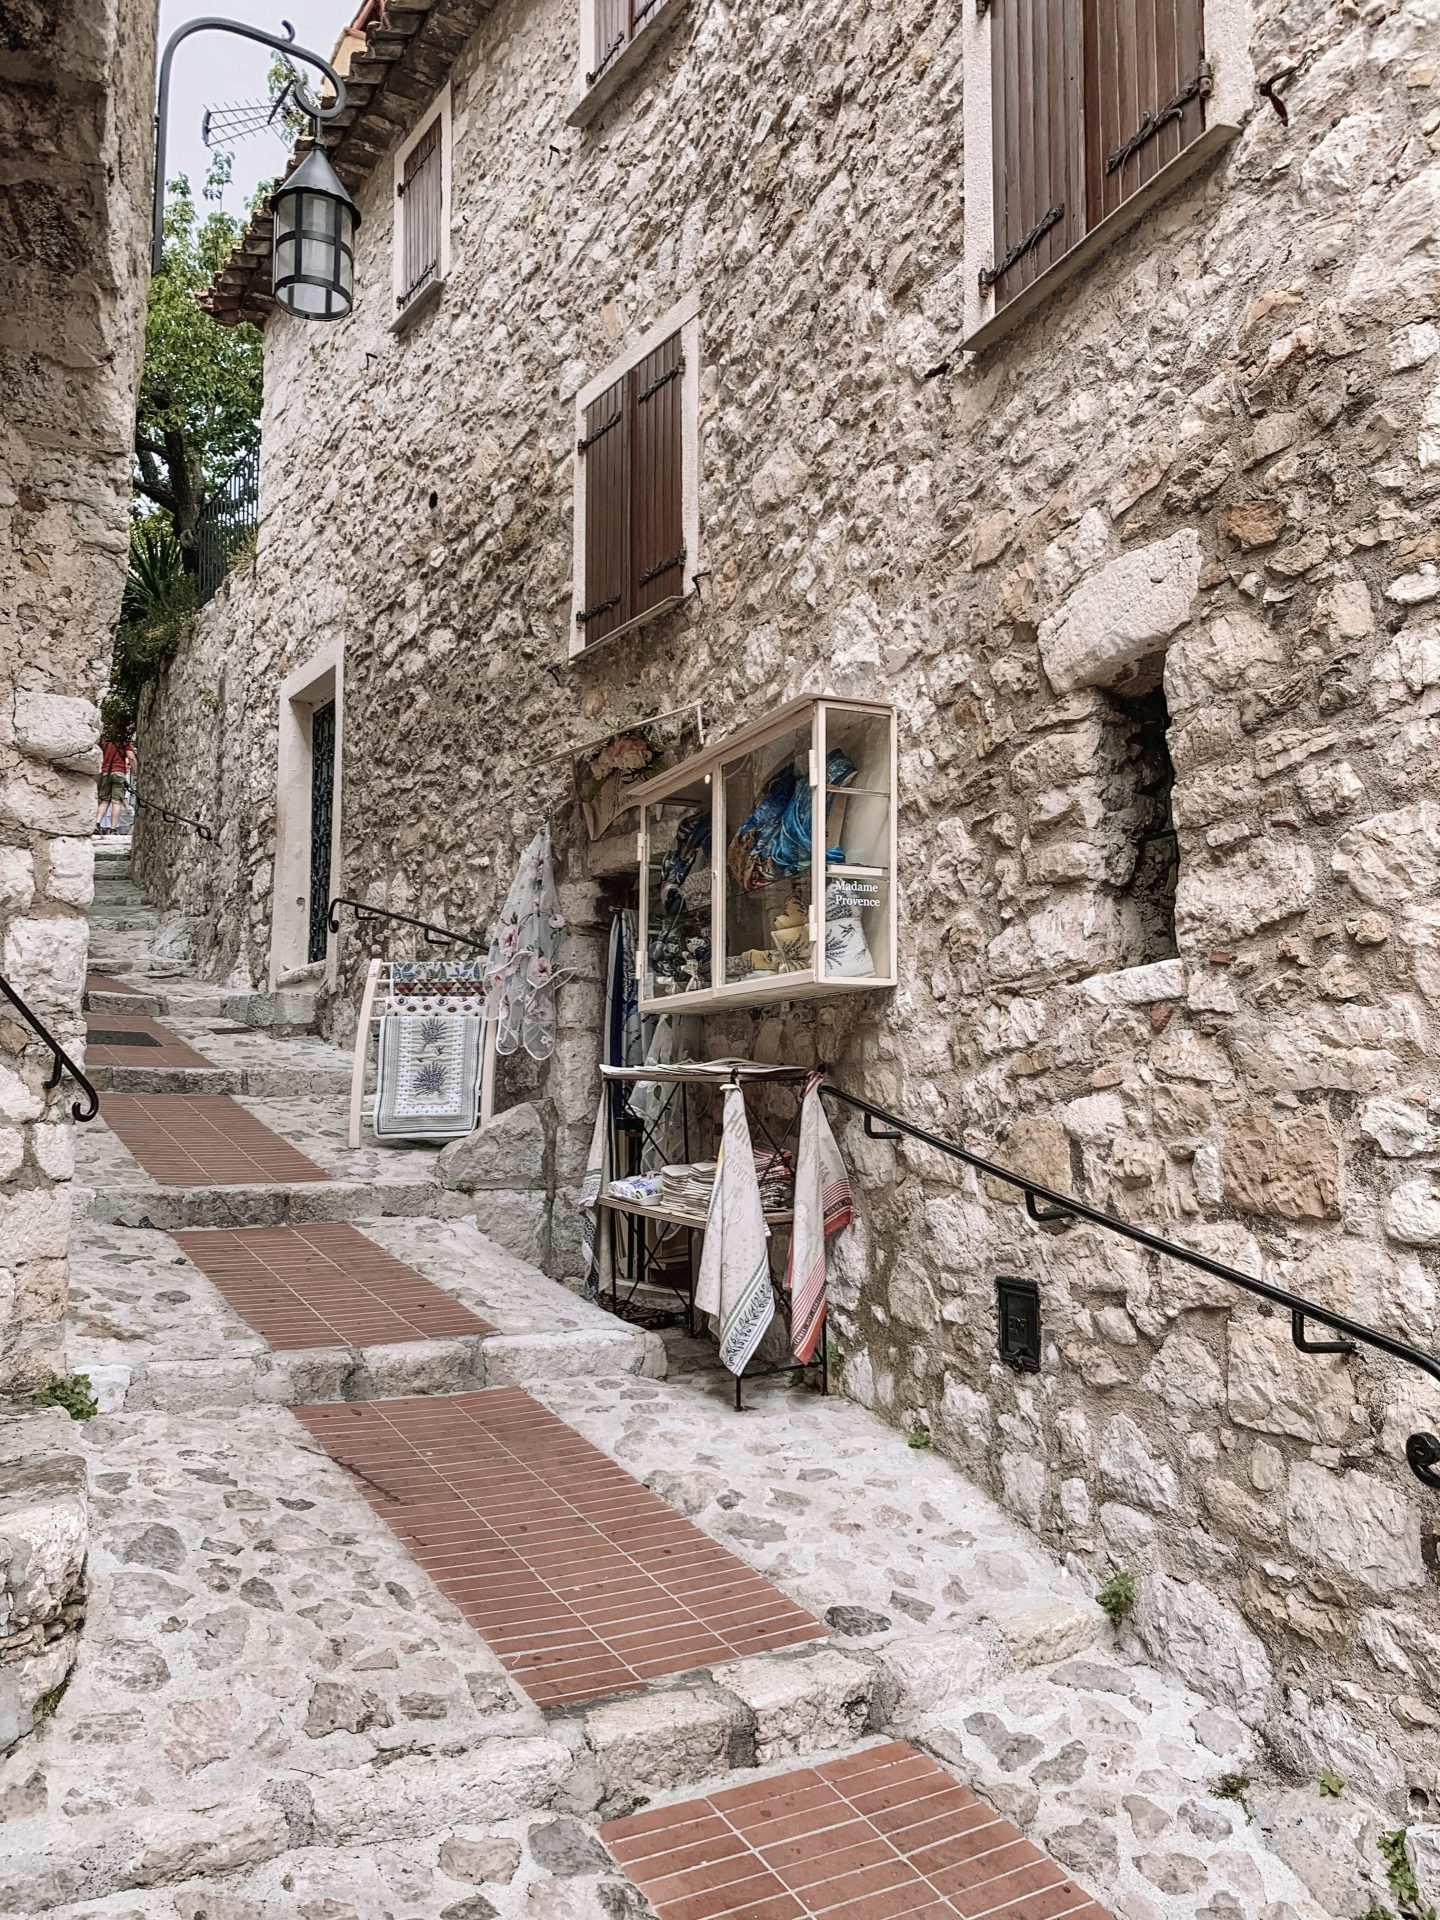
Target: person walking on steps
(115, 808)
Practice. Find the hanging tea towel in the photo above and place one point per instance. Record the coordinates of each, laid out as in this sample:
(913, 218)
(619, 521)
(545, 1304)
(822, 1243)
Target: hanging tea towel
(594, 1233)
(428, 1082)
(734, 1280)
(823, 1205)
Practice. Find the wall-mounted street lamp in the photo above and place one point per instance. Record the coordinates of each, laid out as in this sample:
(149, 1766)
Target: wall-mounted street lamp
(315, 218)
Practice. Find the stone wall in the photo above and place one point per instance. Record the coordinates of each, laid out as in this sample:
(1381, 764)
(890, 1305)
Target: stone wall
(75, 90)
(204, 727)
(1200, 487)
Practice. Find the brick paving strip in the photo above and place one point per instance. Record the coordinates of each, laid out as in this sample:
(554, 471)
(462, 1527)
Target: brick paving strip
(877, 1835)
(323, 1286)
(152, 1046)
(107, 983)
(203, 1140)
(583, 1581)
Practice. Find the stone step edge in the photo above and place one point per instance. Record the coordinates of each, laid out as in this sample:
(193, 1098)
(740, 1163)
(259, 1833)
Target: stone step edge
(261, 1083)
(776, 1707)
(463, 1363)
(501, 1777)
(163, 1209)
(149, 1004)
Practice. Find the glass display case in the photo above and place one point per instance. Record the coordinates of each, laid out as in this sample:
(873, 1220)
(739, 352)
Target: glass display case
(768, 862)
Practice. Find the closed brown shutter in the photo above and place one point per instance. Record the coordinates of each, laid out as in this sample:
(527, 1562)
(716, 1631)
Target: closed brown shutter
(605, 449)
(634, 453)
(1145, 86)
(1036, 96)
(420, 206)
(656, 484)
(1089, 100)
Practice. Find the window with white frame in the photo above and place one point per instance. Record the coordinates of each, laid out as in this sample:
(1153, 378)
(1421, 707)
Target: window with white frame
(422, 208)
(1078, 116)
(637, 500)
(616, 37)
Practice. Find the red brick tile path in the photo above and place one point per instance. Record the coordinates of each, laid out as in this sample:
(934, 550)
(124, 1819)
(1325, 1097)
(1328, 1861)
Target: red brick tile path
(107, 983)
(171, 1051)
(203, 1140)
(324, 1286)
(583, 1581)
(875, 1836)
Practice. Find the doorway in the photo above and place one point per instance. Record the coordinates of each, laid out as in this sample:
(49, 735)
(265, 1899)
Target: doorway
(307, 817)
(322, 826)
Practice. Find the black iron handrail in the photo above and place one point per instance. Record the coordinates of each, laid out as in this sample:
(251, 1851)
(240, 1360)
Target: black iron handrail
(434, 936)
(1422, 1450)
(63, 1062)
(175, 819)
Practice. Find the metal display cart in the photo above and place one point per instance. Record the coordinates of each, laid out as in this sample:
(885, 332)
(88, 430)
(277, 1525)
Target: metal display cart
(642, 1233)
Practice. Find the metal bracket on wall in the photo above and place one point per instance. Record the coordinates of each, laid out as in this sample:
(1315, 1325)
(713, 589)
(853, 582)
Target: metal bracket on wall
(1306, 1345)
(1047, 1216)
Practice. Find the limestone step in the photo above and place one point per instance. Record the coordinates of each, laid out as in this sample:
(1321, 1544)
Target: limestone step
(277, 1082)
(263, 1204)
(99, 1001)
(112, 887)
(119, 916)
(152, 1327)
(290, 1010)
(173, 1160)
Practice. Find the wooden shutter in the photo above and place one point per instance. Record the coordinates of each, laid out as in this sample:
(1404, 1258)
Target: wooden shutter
(1089, 100)
(656, 482)
(1145, 87)
(1036, 105)
(420, 207)
(605, 449)
(614, 24)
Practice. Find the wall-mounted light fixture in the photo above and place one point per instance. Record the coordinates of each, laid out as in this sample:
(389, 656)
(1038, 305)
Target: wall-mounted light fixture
(315, 218)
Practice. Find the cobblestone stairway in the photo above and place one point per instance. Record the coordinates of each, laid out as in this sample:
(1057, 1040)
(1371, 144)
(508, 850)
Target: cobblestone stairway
(419, 1590)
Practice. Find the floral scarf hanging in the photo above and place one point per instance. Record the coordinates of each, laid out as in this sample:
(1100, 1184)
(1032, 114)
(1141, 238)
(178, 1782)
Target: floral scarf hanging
(520, 976)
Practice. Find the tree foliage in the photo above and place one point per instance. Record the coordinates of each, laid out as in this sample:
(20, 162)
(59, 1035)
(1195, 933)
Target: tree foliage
(156, 609)
(199, 410)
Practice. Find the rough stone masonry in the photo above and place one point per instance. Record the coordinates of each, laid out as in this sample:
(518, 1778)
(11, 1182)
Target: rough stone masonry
(75, 85)
(1196, 491)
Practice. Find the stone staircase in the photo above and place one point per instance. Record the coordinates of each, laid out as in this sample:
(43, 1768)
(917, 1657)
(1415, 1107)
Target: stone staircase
(330, 1661)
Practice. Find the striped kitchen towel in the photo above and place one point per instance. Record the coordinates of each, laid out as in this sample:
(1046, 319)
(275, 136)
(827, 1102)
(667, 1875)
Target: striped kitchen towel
(823, 1205)
(734, 1278)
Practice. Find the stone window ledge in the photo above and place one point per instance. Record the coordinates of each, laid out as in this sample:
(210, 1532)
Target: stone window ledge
(424, 302)
(1173, 174)
(586, 102)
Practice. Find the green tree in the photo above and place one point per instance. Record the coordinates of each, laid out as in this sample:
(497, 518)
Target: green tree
(199, 410)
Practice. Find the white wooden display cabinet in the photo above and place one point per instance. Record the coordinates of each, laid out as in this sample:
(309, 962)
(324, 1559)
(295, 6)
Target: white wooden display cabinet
(767, 863)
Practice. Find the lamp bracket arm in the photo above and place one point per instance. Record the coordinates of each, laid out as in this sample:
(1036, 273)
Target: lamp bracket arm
(316, 109)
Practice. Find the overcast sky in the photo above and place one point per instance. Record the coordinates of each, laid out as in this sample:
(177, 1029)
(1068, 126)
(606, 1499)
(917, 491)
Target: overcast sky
(219, 69)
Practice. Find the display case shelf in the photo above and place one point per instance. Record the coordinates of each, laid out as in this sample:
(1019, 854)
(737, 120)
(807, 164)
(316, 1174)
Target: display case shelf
(751, 892)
